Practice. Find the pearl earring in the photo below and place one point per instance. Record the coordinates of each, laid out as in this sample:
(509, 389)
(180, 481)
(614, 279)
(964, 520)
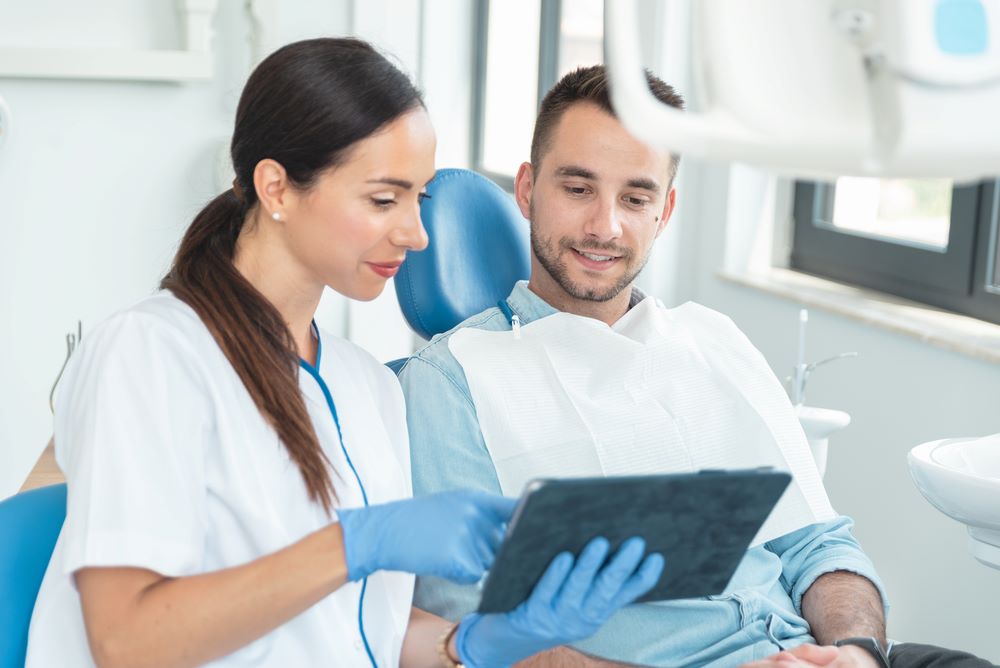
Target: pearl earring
(276, 215)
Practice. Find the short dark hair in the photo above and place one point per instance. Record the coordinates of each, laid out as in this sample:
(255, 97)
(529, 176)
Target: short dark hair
(590, 84)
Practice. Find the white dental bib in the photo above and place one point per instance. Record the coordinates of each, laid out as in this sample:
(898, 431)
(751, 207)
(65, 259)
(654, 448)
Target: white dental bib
(661, 391)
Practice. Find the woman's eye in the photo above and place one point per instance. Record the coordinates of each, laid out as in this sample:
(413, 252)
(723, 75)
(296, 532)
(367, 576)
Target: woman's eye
(382, 203)
(423, 196)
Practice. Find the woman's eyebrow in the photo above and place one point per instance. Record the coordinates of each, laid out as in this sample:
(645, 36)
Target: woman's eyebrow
(400, 183)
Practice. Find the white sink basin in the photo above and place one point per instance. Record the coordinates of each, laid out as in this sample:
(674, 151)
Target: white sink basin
(819, 424)
(961, 478)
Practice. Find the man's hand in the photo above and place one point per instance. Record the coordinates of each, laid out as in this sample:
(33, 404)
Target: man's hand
(814, 656)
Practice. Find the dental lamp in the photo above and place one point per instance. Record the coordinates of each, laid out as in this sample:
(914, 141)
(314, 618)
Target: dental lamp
(827, 88)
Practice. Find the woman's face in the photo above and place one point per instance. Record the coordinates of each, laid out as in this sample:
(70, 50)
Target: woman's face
(352, 228)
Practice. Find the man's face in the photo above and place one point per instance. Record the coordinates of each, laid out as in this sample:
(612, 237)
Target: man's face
(596, 205)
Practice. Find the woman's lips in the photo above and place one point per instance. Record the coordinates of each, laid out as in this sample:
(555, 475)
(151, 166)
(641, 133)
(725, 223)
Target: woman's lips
(385, 269)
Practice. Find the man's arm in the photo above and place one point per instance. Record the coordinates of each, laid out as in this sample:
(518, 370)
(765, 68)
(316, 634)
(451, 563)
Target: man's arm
(837, 605)
(829, 552)
(834, 587)
(843, 605)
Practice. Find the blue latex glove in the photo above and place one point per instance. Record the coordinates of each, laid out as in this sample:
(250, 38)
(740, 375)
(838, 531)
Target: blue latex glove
(569, 603)
(452, 535)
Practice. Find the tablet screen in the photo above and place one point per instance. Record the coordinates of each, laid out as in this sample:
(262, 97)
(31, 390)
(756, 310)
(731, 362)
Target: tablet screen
(702, 523)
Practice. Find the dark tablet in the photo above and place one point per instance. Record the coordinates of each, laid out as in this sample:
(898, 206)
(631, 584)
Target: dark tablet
(702, 524)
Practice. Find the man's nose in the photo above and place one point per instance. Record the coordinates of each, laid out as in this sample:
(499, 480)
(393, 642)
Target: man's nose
(604, 223)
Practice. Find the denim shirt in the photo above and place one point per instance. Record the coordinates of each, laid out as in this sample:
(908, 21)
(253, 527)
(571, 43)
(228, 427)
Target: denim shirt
(758, 614)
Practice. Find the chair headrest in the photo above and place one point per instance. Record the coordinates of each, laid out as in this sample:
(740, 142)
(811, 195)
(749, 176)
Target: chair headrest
(479, 247)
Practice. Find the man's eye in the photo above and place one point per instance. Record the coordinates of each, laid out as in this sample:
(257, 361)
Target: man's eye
(636, 202)
(576, 190)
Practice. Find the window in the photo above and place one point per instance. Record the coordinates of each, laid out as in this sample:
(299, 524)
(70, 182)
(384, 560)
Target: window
(930, 241)
(525, 46)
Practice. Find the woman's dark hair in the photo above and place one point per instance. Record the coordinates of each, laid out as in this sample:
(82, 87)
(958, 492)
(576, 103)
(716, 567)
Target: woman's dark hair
(304, 106)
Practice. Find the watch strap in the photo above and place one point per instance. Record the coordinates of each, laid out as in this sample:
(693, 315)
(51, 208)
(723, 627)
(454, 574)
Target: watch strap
(871, 645)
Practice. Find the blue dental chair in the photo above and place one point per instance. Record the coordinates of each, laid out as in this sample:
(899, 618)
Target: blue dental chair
(29, 526)
(479, 247)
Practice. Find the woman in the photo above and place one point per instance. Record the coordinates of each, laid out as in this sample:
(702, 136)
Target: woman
(238, 480)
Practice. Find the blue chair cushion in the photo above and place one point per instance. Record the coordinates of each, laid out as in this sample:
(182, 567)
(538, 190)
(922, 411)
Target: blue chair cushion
(479, 247)
(29, 524)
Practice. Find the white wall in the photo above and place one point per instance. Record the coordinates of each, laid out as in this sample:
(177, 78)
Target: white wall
(98, 181)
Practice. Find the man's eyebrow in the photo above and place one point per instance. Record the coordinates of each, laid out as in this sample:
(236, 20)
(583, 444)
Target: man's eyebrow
(583, 173)
(644, 184)
(399, 183)
(573, 170)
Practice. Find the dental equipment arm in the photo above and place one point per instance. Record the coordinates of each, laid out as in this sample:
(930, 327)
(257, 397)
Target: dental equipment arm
(822, 89)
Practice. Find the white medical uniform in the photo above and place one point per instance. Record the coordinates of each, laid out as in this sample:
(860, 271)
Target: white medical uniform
(172, 468)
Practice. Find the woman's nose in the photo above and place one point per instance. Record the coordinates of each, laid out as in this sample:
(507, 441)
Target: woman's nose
(411, 234)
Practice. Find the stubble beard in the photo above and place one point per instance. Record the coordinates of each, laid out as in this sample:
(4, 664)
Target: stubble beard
(548, 250)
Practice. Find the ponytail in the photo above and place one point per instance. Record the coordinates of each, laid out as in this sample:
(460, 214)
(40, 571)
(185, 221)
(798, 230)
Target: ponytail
(251, 333)
(304, 106)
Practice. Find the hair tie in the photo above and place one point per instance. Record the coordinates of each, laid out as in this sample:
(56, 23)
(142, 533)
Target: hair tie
(238, 191)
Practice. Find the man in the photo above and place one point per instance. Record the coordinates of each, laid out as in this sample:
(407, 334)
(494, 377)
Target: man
(597, 199)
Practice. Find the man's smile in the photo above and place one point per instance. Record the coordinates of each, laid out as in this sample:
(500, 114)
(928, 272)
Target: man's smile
(595, 260)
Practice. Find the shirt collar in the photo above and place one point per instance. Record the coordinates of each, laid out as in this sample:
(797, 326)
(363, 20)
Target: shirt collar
(528, 306)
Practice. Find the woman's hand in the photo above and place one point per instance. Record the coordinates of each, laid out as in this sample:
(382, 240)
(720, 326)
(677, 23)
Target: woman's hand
(452, 535)
(569, 603)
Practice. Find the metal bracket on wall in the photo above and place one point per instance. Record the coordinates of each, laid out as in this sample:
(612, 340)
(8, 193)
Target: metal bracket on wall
(72, 341)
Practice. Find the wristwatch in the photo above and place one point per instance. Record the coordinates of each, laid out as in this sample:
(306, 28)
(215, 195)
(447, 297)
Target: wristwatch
(871, 645)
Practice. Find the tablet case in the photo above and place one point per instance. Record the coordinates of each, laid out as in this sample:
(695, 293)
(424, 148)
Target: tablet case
(702, 523)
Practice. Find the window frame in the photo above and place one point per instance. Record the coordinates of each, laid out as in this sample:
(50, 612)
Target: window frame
(548, 68)
(959, 279)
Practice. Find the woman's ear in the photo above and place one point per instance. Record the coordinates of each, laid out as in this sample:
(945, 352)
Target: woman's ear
(271, 183)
